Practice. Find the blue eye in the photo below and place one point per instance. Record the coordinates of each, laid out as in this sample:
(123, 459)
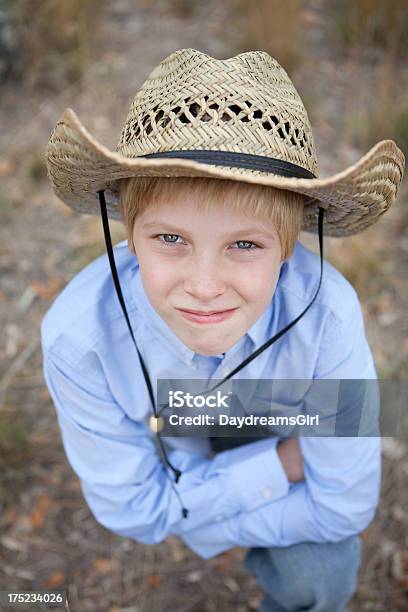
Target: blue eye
(171, 241)
(174, 237)
(246, 242)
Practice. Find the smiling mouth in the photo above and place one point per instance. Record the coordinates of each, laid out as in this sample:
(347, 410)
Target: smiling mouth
(203, 317)
(204, 313)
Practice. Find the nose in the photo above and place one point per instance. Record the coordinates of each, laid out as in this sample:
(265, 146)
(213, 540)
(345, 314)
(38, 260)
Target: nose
(204, 281)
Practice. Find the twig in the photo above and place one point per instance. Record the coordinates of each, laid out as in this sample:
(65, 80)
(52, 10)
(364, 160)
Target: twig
(16, 366)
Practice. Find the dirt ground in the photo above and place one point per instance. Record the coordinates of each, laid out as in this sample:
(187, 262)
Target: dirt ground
(48, 537)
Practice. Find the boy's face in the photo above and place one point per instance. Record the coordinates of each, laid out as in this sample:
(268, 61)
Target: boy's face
(206, 261)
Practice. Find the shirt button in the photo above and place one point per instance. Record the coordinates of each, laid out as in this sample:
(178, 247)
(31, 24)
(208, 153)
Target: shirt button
(219, 518)
(267, 493)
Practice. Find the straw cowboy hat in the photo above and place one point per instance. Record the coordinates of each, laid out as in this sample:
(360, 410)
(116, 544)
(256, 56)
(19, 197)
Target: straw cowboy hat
(241, 119)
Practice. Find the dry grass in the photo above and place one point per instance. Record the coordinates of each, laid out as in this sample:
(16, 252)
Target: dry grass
(54, 39)
(365, 24)
(92, 245)
(6, 208)
(14, 441)
(388, 116)
(363, 267)
(35, 168)
(375, 31)
(272, 26)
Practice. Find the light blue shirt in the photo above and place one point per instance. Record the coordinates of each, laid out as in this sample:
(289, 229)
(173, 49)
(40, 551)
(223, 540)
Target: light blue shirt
(241, 496)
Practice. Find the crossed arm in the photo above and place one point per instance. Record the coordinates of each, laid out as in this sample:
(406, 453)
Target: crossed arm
(126, 485)
(311, 488)
(315, 489)
(334, 481)
(336, 499)
(291, 458)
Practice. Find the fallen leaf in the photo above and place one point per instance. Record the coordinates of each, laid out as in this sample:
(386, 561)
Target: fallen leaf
(46, 291)
(194, 576)
(231, 584)
(400, 567)
(154, 581)
(398, 513)
(56, 579)
(40, 510)
(13, 544)
(392, 448)
(102, 566)
(254, 603)
(99, 567)
(7, 167)
(224, 561)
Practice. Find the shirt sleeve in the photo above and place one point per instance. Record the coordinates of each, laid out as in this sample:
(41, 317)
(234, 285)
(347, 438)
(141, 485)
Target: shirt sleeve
(125, 483)
(341, 490)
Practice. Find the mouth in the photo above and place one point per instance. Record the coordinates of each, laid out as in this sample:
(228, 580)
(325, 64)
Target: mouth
(204, 313)
(211, 316)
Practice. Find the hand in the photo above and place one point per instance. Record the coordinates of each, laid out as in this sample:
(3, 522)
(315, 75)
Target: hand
(291, 459)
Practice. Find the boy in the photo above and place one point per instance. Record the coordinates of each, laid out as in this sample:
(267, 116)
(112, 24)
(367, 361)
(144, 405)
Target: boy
(229, 247)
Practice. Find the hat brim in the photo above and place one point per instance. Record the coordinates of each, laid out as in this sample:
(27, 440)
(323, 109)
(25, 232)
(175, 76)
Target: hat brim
(79, 166)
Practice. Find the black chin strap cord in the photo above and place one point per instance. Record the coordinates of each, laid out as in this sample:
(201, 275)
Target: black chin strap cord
(263, 347)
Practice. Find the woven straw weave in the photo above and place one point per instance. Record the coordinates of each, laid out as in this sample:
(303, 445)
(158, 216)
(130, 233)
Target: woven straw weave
(245, 104)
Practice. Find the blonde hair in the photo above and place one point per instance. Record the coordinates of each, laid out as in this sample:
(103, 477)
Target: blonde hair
(283, 208)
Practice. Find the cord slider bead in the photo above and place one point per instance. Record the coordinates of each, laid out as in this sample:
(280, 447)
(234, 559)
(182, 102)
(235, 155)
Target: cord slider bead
(156, 424)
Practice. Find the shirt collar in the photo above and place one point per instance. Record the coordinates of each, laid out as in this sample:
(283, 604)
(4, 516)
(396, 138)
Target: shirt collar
(257, 334)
